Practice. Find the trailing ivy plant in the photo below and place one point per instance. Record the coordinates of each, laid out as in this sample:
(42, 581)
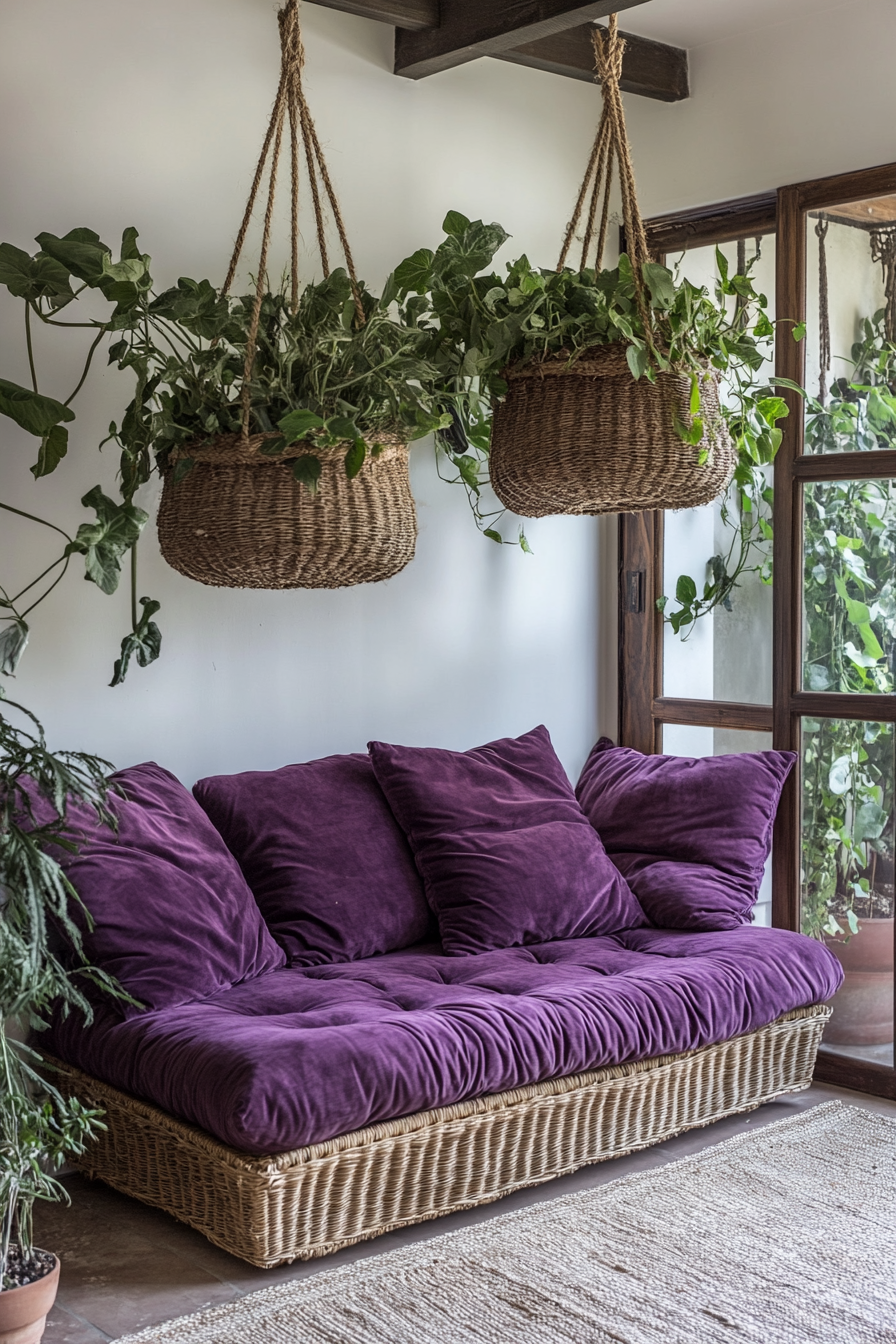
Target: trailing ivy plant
(47, 282)
(321, 377)
(41, 795)
(479, 322)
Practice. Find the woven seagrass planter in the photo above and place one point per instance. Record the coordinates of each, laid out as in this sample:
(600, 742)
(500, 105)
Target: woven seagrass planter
(239, 519)
(588, 438)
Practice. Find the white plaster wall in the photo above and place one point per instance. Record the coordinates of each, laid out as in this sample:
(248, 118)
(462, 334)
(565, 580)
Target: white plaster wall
(117, 112)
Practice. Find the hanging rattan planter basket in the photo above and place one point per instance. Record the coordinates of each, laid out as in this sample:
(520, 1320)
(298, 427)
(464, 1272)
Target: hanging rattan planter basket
(587, 438)
(240, 519)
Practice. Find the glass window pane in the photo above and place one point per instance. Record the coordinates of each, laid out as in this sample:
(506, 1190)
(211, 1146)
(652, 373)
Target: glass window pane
(851, 327)
(849, 586)
(725, 654)
(847, 857)
(686, 740)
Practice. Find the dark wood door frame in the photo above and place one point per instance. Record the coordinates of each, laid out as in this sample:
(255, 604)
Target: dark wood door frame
(792, 470)
(642, 706)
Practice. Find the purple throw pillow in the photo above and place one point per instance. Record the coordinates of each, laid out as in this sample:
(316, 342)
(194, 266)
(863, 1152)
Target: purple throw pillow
(173, 918)
(327, 862)
(690, 836)
(506, 853)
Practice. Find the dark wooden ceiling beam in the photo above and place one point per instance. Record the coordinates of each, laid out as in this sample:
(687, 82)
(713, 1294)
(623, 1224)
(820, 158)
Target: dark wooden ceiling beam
(410, 14)
(472, 28)
(650, 69)
(553, 35)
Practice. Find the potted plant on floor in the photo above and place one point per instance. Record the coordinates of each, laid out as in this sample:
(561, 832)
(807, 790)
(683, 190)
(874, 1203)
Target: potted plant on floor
(40, 792)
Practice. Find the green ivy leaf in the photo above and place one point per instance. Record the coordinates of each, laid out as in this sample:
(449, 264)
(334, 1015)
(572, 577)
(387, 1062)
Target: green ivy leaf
(341, 429)
(493, 535)
(144, 643)
(80, 251)
(354, 458)
(32, 412)
(660, 282)
(468, 467)
(13, 640)
(413, 275)
(307, 470)
(298, 424)
(685, 590)
(33, 278)
(637, 359)
(799, 331)
(455, 224)
(53, 449)
(104, 542)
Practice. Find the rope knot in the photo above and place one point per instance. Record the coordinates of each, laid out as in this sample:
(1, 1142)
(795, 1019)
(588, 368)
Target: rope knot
(609, 49)
(611, 144)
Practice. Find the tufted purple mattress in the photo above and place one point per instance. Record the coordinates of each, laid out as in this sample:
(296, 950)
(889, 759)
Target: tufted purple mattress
(303, 1054)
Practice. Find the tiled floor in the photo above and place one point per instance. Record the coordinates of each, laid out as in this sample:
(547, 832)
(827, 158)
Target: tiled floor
(125, 1266)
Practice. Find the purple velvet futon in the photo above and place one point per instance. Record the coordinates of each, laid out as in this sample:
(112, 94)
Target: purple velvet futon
(301, 1055)
(336, 945)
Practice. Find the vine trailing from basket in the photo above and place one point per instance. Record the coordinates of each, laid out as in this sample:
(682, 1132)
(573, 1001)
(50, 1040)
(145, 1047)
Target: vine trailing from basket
(46, 798)
(484, 326)
(320, 377)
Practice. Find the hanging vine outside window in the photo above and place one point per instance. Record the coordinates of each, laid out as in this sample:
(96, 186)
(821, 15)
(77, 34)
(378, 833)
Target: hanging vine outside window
(746, 506)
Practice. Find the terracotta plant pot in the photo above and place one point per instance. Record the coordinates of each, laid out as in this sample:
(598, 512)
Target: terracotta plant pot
(863, 1005)
(23, 1311)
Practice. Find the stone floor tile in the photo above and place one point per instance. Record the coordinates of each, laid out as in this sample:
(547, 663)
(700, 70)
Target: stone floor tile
(128, 1283)
(126, 1266)
(64, 1328)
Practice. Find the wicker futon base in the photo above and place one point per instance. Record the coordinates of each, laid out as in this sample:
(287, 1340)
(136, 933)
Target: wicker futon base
(271, 1210)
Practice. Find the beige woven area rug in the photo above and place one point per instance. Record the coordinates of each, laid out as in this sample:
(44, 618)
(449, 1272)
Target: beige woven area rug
(785, 1235)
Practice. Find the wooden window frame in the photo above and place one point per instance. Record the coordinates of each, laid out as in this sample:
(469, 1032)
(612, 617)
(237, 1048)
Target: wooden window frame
(643, 709)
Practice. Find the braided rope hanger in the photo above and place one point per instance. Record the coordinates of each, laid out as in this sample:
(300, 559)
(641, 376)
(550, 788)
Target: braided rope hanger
(610, 144)
(883, 249)
(824, 317)
(290, 104)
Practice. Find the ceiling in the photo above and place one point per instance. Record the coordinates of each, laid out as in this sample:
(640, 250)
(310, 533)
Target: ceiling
(695, 23)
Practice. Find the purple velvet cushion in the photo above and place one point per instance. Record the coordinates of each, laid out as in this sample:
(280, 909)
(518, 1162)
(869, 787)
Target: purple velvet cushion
(173, 918)
(311, 1052)
(321, 850)
(506, 854)
(690, 836)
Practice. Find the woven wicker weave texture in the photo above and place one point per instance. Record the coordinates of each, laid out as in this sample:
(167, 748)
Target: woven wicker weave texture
(316, 1200)
(239, 519)
(588, 438)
